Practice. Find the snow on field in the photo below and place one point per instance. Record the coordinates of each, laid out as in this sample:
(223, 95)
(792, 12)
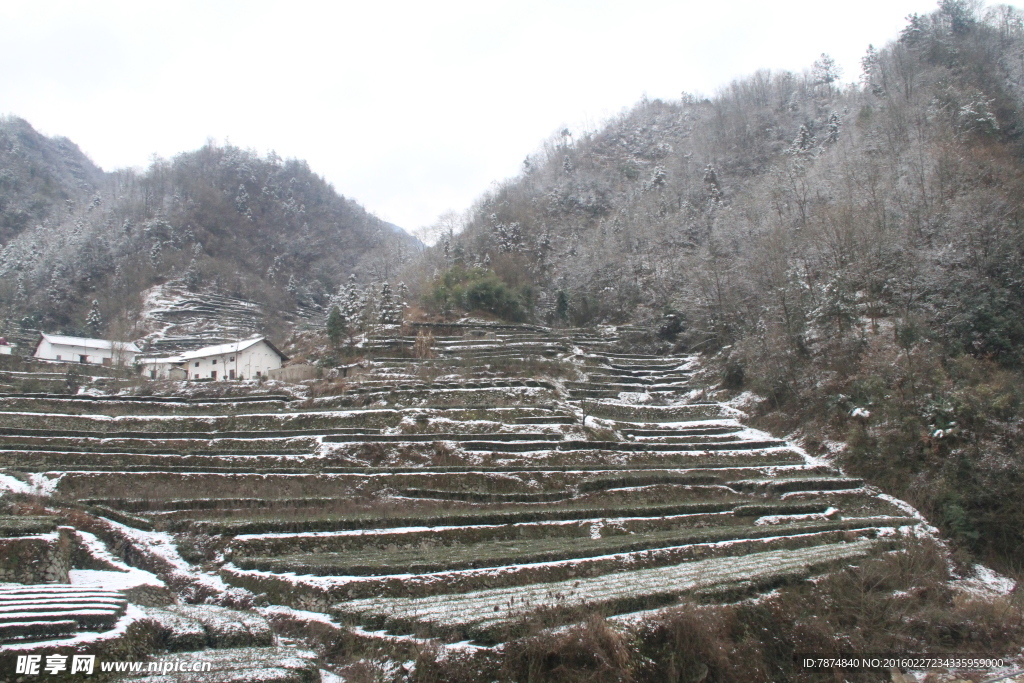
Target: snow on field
(625, 559)
(45, 483)
(493, 606)
(88, 638)
(161, 545)
(986, 583)
(907, 508)
(123, 578)
(781, 519)
(109, 580)
(745, 402)
(9, 483)
(386, 531)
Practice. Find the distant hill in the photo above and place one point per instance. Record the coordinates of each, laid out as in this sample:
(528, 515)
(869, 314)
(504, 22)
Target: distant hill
(220, 219)
(40, 177)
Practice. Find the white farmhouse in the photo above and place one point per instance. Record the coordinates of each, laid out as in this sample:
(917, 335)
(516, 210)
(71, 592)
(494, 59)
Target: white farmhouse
(247, 359)
(83, 350)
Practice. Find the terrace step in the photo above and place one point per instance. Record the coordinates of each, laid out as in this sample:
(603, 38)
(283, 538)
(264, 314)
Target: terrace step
(87, 398)
(381, 561)
(12, 631)
(171, 448)
(202, 626)
(497, 614)
(627, 521)
(622, 446)
(486, 497)
(693, 431)
(443, 436)
(263, 434)
(782, 485)
(616, 387)
(234, 665)
(455, 518)
(58, 604)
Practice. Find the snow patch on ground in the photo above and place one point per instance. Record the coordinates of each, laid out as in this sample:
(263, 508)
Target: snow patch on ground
(112, 580)
(162, 545)
(45, 483)
(782, 519)
(9, 483)
(744, 403)
(987, 583)
(124, 578)
(906, 507)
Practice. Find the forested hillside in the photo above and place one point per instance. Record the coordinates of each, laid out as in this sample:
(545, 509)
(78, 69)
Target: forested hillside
(219, 218)
(851, 254)
(40, 177)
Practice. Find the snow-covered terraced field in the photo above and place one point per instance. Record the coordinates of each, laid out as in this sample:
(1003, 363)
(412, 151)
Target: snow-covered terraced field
(483, 614)
(516, 474)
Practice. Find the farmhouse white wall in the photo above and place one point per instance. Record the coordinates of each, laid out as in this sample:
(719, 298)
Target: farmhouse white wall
(83, 350)
(240, 360)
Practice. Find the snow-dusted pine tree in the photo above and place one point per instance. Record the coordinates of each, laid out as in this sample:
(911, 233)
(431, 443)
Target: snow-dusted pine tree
(94, 321)
(154, 254)
(834, 124)
(714, 192)
(389, 310)
(804, 141)
(337, 326)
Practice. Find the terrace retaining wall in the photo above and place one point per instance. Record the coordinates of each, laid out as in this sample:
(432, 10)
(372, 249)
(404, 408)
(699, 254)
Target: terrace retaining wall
(45, 558)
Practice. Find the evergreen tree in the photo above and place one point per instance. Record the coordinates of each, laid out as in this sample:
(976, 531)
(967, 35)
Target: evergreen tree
(403, 299)
(192, 276)
(870, 71)
(388, 307)
(154, 254)
(834, 124)
(561, 307)
(242, 200)
(711, 184)
(352, 301)
(825, 71)
(659, 176)
(803, 142)
(337, 326)
(94, 321)
(959, 13)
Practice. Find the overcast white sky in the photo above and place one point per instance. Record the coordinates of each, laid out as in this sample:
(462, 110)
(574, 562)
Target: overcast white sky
(411, 108)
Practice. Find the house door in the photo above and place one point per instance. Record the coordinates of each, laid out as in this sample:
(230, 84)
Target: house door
(83, 359)
(231, 374)
(213, 374)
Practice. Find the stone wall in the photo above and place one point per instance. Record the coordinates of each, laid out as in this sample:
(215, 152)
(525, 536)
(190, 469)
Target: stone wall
(295, 373)
(45, 558)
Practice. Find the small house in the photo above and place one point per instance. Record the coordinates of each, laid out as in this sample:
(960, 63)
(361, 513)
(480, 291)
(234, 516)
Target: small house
(248, 359)
(84, 350)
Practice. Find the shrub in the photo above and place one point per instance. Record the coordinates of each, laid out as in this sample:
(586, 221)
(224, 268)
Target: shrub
(479, 289)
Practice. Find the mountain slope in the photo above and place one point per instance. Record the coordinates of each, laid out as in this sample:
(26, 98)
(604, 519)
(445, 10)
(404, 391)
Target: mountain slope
(218, 218)
(853, 254)
(40, 177)
(635, 210)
